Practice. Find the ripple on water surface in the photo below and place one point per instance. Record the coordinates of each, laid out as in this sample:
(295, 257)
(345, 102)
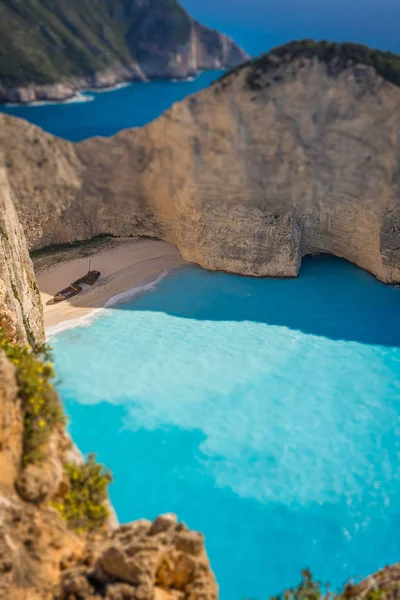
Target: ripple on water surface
(263, 412)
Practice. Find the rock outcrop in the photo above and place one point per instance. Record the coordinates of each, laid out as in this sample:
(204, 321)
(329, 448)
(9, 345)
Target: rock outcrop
(41, 559)
(162, 560)
(284, 157)
(20, 302)
(48, 53)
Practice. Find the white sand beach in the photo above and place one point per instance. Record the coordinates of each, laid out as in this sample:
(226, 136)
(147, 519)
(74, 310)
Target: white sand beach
(127, 265)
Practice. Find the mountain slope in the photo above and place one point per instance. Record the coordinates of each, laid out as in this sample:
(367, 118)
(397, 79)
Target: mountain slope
(45, 42)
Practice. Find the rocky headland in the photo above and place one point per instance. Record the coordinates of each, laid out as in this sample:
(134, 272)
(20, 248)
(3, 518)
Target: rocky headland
(80, 45)
(291, 154)
(295, 153)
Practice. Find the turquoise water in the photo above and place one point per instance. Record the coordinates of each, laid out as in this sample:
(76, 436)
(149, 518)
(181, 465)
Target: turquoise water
(265, 413)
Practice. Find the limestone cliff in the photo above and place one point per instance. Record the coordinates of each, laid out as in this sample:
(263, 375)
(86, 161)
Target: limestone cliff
(20, 303)
(290, 155)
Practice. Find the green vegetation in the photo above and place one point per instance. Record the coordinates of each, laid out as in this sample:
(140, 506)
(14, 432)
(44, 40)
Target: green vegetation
(3, 231)
(83, 506)
(44, 41)
(41, 406)
(15, 291)
(69, 246)
(337, 56)
(309, 589)
(34, 286)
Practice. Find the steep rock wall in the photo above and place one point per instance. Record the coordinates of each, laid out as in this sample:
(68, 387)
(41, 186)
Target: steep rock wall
(20, 303)
(246, 176)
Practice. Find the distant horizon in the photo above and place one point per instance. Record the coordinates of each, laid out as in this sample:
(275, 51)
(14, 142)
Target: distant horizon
(260, 25)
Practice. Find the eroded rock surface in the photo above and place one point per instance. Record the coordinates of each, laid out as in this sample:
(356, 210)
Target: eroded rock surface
(20, 303)
(162, 560)
(247, 176)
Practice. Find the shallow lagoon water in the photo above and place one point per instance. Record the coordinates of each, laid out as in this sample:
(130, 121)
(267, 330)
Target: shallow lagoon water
(265, 413)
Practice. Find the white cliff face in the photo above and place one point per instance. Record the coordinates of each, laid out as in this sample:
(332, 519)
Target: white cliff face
(205, 49)
(242, 177)
(20, 303)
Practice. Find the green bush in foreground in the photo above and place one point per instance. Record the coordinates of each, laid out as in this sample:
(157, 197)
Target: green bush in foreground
(309, 589)
(42, 410)
(83, 506)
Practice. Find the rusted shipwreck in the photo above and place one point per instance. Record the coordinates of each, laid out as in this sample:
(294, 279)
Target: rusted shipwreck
(74, 288)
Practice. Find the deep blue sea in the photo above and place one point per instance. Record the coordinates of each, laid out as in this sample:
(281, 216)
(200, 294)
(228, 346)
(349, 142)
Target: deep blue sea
(265, 413)
(106, 113)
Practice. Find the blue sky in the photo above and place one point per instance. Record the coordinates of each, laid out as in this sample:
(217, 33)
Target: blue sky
(260, 24)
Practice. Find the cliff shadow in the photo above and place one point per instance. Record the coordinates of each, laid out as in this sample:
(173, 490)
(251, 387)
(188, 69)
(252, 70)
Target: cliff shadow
(331, 298)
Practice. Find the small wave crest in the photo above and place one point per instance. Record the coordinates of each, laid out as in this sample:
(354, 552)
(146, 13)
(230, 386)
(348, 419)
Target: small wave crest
(183, 79)
(83, 321)
(77, 99)
(123, 297)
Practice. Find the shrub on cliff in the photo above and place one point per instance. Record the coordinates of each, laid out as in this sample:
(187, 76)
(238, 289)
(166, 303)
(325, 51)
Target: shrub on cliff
(309, 589)
(342, 56)
(42, 410)
(83, 506)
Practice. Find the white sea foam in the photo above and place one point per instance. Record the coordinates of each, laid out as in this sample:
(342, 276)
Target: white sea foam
(183, 80)
(77, 99)
(132, 292)
(123, 297)
(111, 88)
(83, 321)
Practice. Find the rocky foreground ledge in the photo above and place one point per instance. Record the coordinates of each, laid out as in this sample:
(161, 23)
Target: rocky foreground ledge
(292, 154)
(41, 559)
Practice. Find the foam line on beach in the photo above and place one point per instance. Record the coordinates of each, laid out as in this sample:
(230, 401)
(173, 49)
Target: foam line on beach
(88, 319)
(77, 99)
(83, 321)
(132, 292)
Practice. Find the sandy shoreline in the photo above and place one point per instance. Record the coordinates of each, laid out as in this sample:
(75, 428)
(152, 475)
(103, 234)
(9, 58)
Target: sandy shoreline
(129, 265)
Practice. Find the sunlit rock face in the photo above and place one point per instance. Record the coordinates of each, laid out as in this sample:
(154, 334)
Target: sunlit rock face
(265, 166)
(20, 304)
